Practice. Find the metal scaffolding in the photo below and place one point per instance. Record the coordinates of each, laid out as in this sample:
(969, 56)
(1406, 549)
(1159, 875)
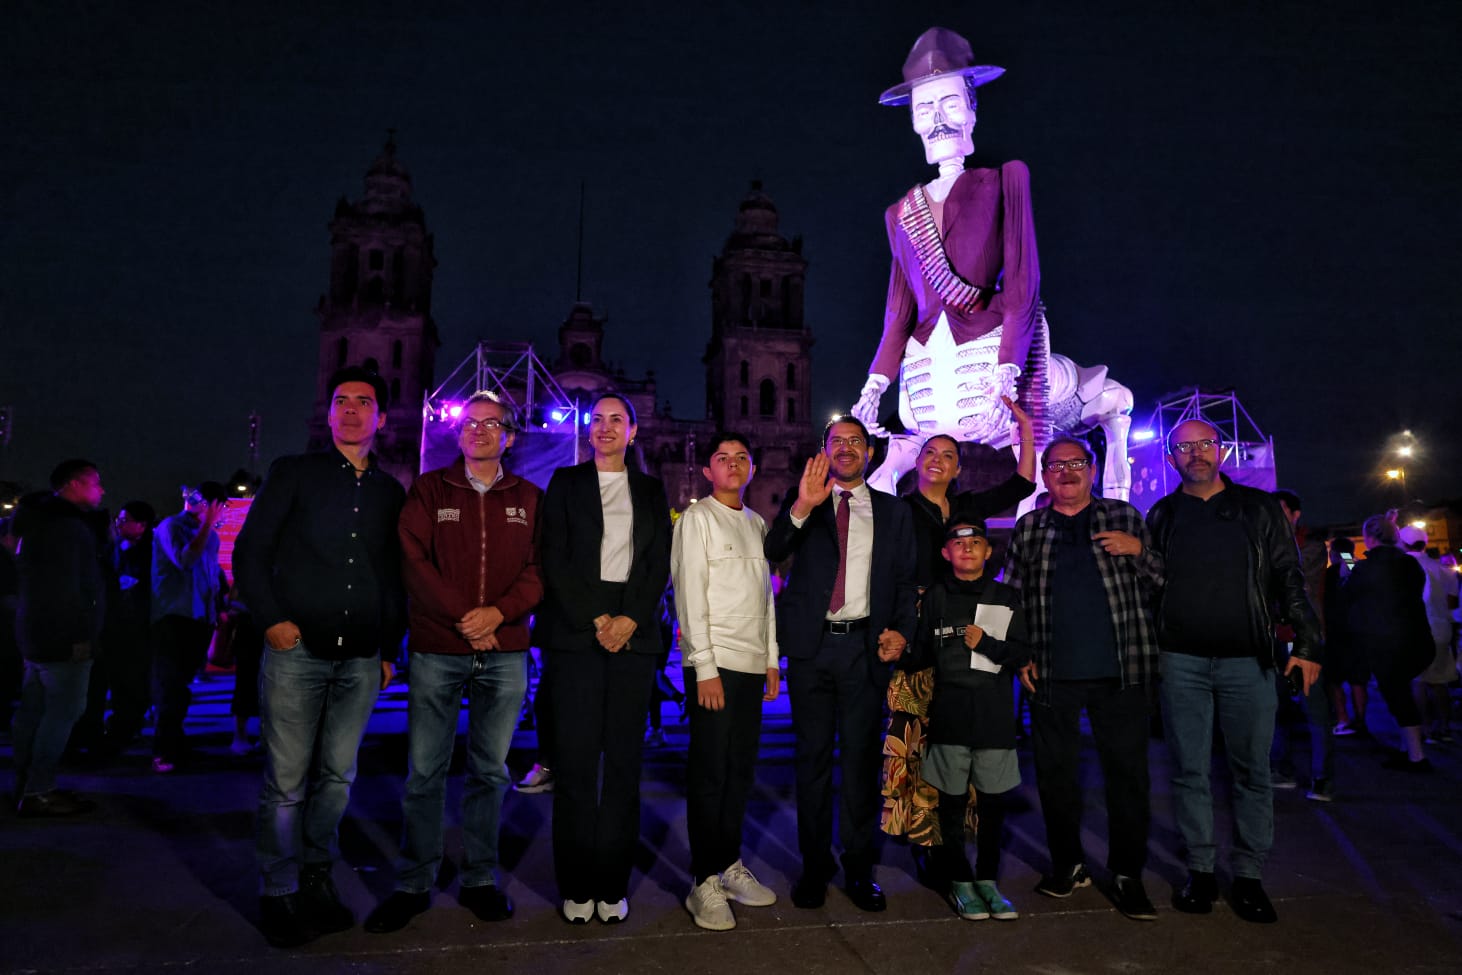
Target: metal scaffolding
(514, 372)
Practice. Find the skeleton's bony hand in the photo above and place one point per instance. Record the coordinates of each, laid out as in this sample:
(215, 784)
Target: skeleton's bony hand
(1006, 373)
(866, 409)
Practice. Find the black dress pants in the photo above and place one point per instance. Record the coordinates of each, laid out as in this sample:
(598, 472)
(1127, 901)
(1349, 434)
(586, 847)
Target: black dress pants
(834, 697)
(600, 701)
(1119, 724)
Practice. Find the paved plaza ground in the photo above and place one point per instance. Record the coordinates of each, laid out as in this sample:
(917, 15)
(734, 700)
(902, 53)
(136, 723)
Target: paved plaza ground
(160, 878)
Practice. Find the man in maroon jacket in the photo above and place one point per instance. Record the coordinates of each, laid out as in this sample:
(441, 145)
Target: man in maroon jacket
(469, 540)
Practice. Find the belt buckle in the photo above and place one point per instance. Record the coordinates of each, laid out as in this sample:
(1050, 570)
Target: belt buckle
(839, 627)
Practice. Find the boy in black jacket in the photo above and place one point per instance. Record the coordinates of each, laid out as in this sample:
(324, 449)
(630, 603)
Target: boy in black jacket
(972, 630)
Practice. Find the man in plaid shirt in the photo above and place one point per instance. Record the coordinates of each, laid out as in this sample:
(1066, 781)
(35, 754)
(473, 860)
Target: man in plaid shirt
(1086, 570)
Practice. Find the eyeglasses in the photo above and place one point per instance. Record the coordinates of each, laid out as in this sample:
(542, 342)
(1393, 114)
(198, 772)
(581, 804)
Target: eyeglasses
(1188, 446)
(1057, 466)
(488, 424)
(854, 442)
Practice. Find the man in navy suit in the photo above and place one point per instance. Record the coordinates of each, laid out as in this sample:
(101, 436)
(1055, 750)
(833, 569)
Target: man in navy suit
(846, 612)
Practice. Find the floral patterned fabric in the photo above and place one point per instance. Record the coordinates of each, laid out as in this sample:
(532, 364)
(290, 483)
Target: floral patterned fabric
(910, 805)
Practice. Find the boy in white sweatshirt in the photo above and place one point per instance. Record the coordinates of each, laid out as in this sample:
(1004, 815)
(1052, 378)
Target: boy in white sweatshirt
(728, 643)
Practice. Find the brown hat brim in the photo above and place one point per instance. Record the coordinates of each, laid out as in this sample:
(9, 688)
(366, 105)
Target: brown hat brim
(979, 74)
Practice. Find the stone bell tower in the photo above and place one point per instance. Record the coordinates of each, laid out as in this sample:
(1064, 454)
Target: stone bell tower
(377, 312)
(758, 362)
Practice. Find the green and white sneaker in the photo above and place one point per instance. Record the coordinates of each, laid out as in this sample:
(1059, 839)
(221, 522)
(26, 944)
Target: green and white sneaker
(966, 901)
(1000, 908)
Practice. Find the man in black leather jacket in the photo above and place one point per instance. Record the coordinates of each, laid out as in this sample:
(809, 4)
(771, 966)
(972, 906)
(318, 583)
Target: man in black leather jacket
(1229, 554)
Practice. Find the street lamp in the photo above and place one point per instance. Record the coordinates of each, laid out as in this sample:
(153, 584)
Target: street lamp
(1398, 474)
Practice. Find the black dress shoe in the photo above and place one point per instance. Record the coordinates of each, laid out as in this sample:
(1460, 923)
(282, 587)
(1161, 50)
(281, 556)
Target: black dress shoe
(320, 902)
(809, 892)
(393, 913)
(1198, 894)
(1250, 902)
(1131, 898)
(865, 894)
(487, 902)
(53, 804)
(283, 923)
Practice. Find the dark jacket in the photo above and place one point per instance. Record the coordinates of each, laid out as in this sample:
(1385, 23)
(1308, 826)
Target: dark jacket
(1272, 570)
(573, 594)
(62, 598)
(129, 583)
(1385, 613)
(971, 707)
(319, 548)
(803, 603)
(461, 550)
(929, 520)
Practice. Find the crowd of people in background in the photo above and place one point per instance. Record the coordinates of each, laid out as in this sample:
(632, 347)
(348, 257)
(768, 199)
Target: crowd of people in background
(904, 638)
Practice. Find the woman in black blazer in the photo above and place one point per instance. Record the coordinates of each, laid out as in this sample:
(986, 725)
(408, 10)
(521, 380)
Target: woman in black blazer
(605, 550)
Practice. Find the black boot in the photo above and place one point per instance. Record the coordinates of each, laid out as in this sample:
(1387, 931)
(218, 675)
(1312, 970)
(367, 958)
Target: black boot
(320, 901)
(283, 923)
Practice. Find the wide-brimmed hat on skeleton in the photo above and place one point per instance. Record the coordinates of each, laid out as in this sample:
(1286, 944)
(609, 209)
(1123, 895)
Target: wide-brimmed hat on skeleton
(938, 52)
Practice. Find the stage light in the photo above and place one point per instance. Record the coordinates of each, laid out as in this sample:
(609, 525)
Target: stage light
(1404, 451)
(557, 416)
(1418, 524)
(586, 419)
(1394, 474)
(1143, 435)
(455, 410)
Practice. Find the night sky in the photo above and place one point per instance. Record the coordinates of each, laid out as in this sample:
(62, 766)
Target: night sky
(1260, 196)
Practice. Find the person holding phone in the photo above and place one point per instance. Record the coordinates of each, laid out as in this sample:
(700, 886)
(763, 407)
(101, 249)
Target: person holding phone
(185, 590)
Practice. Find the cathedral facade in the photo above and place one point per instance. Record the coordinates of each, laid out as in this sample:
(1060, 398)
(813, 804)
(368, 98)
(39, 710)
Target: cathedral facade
(377, 311)
(757, 367)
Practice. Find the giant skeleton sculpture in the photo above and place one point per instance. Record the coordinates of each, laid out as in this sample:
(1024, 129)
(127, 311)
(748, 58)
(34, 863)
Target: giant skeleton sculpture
(963, 324)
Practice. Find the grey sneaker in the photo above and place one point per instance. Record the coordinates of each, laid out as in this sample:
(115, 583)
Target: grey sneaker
(707, 905)
(741, 886)
(538, 779)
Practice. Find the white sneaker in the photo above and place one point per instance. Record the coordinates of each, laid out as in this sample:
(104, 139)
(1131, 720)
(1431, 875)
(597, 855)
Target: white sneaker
(578, 912)
(538, 779)
(741, 886)
(612, 913)
(707, 904)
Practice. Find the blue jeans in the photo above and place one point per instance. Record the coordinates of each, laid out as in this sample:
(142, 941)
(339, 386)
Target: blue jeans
(52, 698)
(304, 698)
(1319, 719)
(494, 684)
(1242, 694)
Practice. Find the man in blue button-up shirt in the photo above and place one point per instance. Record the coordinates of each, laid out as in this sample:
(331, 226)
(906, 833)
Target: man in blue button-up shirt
(319, 566)
(185, 584)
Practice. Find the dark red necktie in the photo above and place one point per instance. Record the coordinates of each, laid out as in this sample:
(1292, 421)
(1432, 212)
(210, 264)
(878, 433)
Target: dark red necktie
(840, 584)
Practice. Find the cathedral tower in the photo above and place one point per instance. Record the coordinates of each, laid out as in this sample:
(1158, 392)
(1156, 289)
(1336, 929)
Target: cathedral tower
(377, 312)
(758, 375)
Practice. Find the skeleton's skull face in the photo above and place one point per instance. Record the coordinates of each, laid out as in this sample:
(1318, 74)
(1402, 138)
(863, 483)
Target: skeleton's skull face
(944, 118)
